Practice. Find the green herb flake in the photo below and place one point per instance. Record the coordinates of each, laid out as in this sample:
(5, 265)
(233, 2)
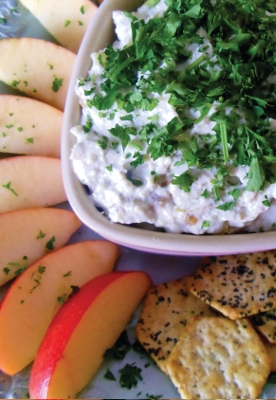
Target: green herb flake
(29, 140)
(20, 270)
(205, 194)
(61, 299)
(226, 206)
(80, 23)
(50, 244)
(130, 375)
(266, 202)
(135, 182)
(41, 269)
(206, 224)
(69, 273)
(235, 194)
(184, 181)
(6, 270)
(8, 187)
(109, 168)
(82, 10)
(20, 129)
(120, 348)
(57, 83)
(109, 375)
(67, 23)
(15, 83)
(103, 143)
(41, 235)
(36, 277)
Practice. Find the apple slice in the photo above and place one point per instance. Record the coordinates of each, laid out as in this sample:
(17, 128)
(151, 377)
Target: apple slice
(30, 181)
(36, 295)
(67, 22)
(27, 235)
(36, 67)
(29, 126)
(87, 325)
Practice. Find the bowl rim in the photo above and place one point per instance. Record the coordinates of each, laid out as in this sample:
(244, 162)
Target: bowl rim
(82, 204)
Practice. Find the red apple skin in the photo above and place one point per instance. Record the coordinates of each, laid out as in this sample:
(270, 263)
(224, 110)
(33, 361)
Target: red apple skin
(82, 330)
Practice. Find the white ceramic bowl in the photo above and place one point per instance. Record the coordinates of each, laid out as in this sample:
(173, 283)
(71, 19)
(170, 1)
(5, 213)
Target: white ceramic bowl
(98, 35)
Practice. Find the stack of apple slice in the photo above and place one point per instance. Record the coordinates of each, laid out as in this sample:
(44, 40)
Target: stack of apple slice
(31, 125)
(41, 70)
(67, 306)
(65, 303)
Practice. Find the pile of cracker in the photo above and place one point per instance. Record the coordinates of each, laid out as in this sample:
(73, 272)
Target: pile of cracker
(214, 333)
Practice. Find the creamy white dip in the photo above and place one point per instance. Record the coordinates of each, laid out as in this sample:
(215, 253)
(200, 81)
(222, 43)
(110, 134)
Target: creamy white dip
(145, 193)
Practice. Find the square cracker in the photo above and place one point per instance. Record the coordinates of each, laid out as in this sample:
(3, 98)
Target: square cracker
(167, 309)
(265, 323)
(238, 285)
(217, 358)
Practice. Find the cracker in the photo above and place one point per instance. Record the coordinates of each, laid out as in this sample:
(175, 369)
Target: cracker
(265, 323)
(238, 285)
(217, 358)
(167, 308)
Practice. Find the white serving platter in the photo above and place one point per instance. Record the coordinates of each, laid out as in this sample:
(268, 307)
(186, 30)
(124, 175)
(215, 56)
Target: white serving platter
(162, 268)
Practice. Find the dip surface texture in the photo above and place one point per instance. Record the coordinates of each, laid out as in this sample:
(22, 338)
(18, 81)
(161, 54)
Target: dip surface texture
(178, 124)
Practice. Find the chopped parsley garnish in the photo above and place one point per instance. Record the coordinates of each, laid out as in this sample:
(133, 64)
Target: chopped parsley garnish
(37, 276)
(120, 348)
(109, 375)
(130, 375)
(57, 83)
(8, 186)
(50, 244)
(135, 182)
(15, 83)
(62, 299)
(206, 224)
(266, 202)
(41, 235)
(88, 125)
(226, 82)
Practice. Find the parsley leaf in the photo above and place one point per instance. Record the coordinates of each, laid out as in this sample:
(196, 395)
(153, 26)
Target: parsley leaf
(120, 348)
(130, 375)
(184, 181)
(57, 83)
